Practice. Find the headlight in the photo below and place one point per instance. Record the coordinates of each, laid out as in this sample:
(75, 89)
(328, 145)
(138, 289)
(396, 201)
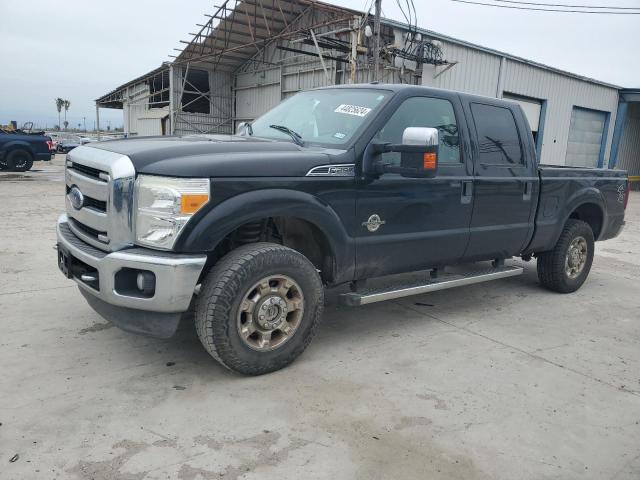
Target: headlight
(165, 205)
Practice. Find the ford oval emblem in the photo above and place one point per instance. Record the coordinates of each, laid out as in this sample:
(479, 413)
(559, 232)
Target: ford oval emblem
(76, 198)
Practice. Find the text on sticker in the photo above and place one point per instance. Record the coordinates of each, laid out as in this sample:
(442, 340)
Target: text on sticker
(352, 110)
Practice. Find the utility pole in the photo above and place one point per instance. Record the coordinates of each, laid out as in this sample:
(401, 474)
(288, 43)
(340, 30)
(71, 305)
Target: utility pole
(84, 121)
(376, 44)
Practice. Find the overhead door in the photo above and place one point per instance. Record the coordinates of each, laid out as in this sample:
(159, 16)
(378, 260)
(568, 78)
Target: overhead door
(531, 108)
(586, 137)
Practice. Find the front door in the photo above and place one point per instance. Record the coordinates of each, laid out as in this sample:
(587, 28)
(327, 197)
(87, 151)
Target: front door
(408, 224)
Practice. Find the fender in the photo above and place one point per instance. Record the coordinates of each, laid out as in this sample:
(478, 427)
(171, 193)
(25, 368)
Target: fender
(9, 146)
(204, 233)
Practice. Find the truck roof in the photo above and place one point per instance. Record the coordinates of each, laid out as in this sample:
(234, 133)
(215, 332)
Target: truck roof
(403, 87)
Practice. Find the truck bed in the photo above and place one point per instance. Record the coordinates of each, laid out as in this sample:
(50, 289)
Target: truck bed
(598, 192)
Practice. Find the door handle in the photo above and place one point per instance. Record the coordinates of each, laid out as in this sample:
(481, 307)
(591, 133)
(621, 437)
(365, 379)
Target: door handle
(528, 187)
(467, 191)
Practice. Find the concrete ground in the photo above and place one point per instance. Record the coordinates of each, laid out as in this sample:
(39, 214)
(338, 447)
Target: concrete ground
(502, 380)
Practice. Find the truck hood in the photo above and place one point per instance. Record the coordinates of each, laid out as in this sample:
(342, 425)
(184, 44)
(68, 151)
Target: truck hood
(218, 156)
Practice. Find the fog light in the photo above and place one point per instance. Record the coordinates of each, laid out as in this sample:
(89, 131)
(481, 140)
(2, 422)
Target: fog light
(146, 282)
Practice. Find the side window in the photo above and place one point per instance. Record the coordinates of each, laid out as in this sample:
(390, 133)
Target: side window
(498, 139)
(423, 112)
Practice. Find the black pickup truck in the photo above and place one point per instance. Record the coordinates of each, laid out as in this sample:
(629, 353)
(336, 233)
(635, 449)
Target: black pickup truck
(341, 185)
(19, 149)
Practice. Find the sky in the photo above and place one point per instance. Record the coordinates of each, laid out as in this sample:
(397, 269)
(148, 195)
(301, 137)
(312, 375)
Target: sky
(81, 49)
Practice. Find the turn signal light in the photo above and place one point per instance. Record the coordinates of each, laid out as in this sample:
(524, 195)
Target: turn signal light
(191, 203)
(429, 161)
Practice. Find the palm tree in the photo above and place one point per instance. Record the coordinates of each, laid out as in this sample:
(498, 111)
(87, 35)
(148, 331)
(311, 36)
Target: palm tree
(67, 104)
(59, 105)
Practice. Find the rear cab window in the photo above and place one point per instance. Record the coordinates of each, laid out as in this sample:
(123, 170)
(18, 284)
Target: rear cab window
(499, 142)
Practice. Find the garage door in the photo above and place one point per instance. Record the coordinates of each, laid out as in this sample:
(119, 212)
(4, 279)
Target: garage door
(586, 137)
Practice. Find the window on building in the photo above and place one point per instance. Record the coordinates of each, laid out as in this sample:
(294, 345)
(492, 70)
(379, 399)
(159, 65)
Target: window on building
(196, 97)
(498, 139)
(159, 90)
(423, 112)
(586, 137)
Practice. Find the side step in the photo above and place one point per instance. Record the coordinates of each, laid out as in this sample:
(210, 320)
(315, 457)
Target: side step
(442, 282)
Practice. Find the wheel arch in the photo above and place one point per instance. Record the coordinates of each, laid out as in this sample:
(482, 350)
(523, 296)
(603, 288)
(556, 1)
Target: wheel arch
(303, 216)
(592, 214)
(588, 205)
(18, 145)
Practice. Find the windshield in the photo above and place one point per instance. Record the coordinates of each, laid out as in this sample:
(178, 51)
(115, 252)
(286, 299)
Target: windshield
(326, 117)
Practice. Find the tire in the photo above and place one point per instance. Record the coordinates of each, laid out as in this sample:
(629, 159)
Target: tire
(559, 270)
(233, 301)
(19, 160)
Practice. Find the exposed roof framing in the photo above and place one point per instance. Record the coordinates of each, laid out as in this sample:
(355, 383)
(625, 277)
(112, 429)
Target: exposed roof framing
(241, 28)
(115, 97)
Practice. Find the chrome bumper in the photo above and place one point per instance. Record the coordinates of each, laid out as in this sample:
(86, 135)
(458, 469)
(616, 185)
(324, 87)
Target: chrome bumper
(176, 274)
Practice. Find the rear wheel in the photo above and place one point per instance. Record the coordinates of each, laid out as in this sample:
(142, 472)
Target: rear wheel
(565, 268)
(19, 160)
(259, 308)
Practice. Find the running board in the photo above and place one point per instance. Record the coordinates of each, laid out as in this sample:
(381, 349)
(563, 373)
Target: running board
(442, 282)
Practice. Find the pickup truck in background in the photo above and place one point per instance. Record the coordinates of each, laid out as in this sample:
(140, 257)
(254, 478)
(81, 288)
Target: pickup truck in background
(19, 149)
(340, 185)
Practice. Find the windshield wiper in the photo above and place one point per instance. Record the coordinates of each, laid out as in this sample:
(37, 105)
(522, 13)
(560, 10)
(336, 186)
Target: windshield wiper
(296, 137)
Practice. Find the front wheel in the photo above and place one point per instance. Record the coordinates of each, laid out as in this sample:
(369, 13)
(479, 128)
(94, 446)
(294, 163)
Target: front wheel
(565, 268)
(259, 308)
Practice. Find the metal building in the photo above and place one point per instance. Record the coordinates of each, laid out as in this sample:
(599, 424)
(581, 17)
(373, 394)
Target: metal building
(251, 54)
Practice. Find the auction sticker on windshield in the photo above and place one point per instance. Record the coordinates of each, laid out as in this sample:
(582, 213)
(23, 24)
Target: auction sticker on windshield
(352, 110)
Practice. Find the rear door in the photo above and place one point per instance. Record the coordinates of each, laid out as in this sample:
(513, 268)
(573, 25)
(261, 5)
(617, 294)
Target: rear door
(407, 224)
(505, 180)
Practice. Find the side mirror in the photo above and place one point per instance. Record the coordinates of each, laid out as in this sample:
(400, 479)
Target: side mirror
(419, 153)
(244, 129)
(424, 161)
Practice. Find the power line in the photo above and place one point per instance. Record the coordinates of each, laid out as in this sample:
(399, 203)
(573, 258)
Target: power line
(567, 6)
(545, 9)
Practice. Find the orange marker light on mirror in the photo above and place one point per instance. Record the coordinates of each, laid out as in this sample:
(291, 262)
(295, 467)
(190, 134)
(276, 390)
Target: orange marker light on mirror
(192, 203)
(429, 161)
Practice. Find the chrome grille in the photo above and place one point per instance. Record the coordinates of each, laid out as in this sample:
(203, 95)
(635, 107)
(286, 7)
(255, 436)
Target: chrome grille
(88, 171)
(106, 181)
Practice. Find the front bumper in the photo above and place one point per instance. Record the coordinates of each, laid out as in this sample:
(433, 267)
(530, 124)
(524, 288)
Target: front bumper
(96, 273)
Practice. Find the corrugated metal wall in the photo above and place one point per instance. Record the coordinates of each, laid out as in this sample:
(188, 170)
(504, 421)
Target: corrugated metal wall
(561, 93)
(478, 72)
(629, 148)
(135, 107)
(256, 92)
(475, 72)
